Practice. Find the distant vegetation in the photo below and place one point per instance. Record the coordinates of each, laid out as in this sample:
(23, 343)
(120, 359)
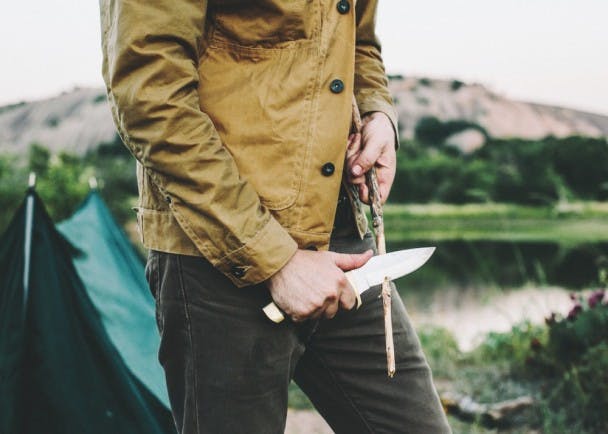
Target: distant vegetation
(511, 171)
(430, 131)
(62, 180)
(515, 171)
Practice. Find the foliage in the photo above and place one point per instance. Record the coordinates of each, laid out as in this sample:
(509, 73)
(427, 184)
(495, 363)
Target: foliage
(100, 98)
(564, 364)
(573, 363)
(431, 131)
(456, 85)
(439, 177)
(297, 398)
(62, 180)
(425, 81)
(441, 350)
(582, 164)
(114, 168)
(10, 107)
(63, 185)
(529, 172)
(513, 346)
(13, 184)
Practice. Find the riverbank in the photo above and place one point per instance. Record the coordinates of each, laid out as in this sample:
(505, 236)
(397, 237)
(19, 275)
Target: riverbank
(574, 222)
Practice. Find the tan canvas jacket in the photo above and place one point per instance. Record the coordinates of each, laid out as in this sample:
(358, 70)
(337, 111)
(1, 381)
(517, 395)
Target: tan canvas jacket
(238, 113)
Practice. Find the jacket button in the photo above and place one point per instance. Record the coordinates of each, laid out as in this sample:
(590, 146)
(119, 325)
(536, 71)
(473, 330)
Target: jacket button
(343, 6)
(328, 169)
(336, 86)
(237, 272)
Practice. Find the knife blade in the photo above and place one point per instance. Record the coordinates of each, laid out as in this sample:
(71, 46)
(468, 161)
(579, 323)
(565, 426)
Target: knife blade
(392, 265)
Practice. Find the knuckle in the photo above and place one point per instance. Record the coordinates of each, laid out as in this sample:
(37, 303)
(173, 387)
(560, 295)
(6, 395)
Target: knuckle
(316, 304)
(365, 162)
(331, 295)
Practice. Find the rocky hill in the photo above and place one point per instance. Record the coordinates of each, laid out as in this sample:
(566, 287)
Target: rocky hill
(74, 121)
(499, 116)
(79, 120)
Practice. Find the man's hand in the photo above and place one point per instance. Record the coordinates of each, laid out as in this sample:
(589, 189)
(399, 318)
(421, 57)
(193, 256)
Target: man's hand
(312, 284)
(375, 146)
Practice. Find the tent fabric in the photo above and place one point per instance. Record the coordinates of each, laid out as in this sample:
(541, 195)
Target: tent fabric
(11, 321)
(113, 275)
(65, 374)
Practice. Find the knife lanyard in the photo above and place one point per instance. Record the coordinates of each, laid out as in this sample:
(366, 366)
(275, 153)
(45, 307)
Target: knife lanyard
(378, 225)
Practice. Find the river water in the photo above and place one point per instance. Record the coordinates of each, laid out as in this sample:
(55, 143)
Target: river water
(475, 287)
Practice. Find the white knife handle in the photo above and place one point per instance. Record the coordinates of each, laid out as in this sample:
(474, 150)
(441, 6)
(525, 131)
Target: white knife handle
(350, 276)
(275, 314)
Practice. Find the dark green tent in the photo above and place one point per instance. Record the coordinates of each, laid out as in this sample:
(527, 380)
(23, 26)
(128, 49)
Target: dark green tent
(59, 371)
(113, 274)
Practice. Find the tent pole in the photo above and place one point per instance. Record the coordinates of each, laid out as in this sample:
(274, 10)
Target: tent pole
(27, 250)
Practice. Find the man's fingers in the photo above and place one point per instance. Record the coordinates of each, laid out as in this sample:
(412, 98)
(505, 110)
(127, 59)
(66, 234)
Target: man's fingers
(348, 298)
(386, 176)
(367, 158)
(331, 309)
(349, 174)
(348, 262)
(384, 188)
(364, 193)
(358, 180)
(353, 145)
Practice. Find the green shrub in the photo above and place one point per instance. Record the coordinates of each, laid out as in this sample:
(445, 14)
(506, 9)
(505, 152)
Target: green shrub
(424, 81)
(431, 131)
(573, 364)
(441, 176)
(583, 163)
(13, 184)
(441, 351)
(456, 85)
(62, 180)
(512, 347)
(530, 172)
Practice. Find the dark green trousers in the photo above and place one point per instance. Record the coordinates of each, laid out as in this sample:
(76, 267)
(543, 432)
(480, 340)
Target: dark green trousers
(228, 367)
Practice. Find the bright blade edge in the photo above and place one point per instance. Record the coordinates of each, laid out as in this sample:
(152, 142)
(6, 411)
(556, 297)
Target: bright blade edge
(392, 265)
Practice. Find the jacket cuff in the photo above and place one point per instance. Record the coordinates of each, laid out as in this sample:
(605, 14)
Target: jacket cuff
(260, 258)
(380, 105)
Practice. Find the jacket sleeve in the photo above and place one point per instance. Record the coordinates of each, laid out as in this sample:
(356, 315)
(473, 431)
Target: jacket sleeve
(151, 51)
(371, 83)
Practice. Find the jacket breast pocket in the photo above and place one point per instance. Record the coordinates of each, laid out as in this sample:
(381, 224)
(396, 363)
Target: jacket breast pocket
(260, 102)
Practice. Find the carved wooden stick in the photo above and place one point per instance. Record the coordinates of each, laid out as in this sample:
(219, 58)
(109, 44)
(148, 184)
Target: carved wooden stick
(378, 224)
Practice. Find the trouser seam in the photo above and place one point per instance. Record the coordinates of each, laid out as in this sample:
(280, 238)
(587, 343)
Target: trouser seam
(341, 389)
(160, 322)
(190, 339)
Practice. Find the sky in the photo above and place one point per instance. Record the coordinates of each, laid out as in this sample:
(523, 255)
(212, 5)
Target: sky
(547, 51)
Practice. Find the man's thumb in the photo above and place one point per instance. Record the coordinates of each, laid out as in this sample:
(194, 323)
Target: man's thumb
(346, 261)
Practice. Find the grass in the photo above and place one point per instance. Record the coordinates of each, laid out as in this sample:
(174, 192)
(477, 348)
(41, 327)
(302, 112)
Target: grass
(482, 374)
(570, 223)
(493, 372)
